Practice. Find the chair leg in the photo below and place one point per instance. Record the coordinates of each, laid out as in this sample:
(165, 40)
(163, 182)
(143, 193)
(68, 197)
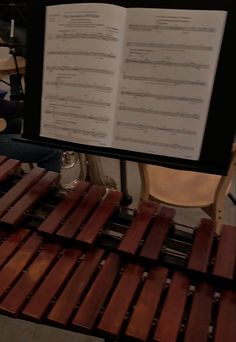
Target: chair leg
(218, 225)
(218, 216)
(216, 212)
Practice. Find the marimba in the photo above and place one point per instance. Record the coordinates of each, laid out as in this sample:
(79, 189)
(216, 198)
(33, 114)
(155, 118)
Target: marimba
(81, 262)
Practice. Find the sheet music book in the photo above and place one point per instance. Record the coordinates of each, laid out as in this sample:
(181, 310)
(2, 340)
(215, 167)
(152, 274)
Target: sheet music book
(137, 79)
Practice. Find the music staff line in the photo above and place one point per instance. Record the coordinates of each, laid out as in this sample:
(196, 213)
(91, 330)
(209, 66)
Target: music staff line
(95, 36)
(142, 127)
(171, 46)
(154, 143)
(80, 85)
(80, 69)
(121, 108)
(162, 96)
(138, 27)
(73, 130)
(56, 113)
(60, 136)
(168, 63)
(77, 100)
(168, 81)
(159, 112)
(82, 53)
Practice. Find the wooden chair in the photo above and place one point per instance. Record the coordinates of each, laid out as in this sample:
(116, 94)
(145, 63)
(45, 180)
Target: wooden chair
(3, 124)
(7, 65)
(188, 189)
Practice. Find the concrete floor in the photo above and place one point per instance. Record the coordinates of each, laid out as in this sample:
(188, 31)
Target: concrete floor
(14, 330)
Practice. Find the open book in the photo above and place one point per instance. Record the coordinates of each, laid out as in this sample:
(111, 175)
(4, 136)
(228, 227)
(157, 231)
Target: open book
(136, 79)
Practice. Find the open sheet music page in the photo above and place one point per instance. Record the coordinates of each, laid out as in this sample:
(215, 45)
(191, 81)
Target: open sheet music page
(82, 56)
(135, 79)
(170, 61)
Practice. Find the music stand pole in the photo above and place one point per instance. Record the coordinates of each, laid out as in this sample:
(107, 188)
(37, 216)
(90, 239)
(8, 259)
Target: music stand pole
(127, 199)
(15, 79)
(233, 199)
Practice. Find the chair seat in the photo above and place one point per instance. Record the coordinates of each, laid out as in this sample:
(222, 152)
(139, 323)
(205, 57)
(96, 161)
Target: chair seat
(8, 64)
(201, 186)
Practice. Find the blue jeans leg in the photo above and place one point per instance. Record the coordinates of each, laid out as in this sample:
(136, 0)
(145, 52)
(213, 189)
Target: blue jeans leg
(45, 157)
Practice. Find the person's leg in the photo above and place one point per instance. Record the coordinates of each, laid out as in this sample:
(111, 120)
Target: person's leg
(45, 157)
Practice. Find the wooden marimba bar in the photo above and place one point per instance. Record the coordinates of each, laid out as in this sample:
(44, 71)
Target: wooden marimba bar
(78, 261)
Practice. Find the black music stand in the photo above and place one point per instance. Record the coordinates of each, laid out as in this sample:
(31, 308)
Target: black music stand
(127, 199)
(215, 151)
(233, 199)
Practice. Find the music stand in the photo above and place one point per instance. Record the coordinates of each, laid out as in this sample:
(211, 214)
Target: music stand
(215, 151)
